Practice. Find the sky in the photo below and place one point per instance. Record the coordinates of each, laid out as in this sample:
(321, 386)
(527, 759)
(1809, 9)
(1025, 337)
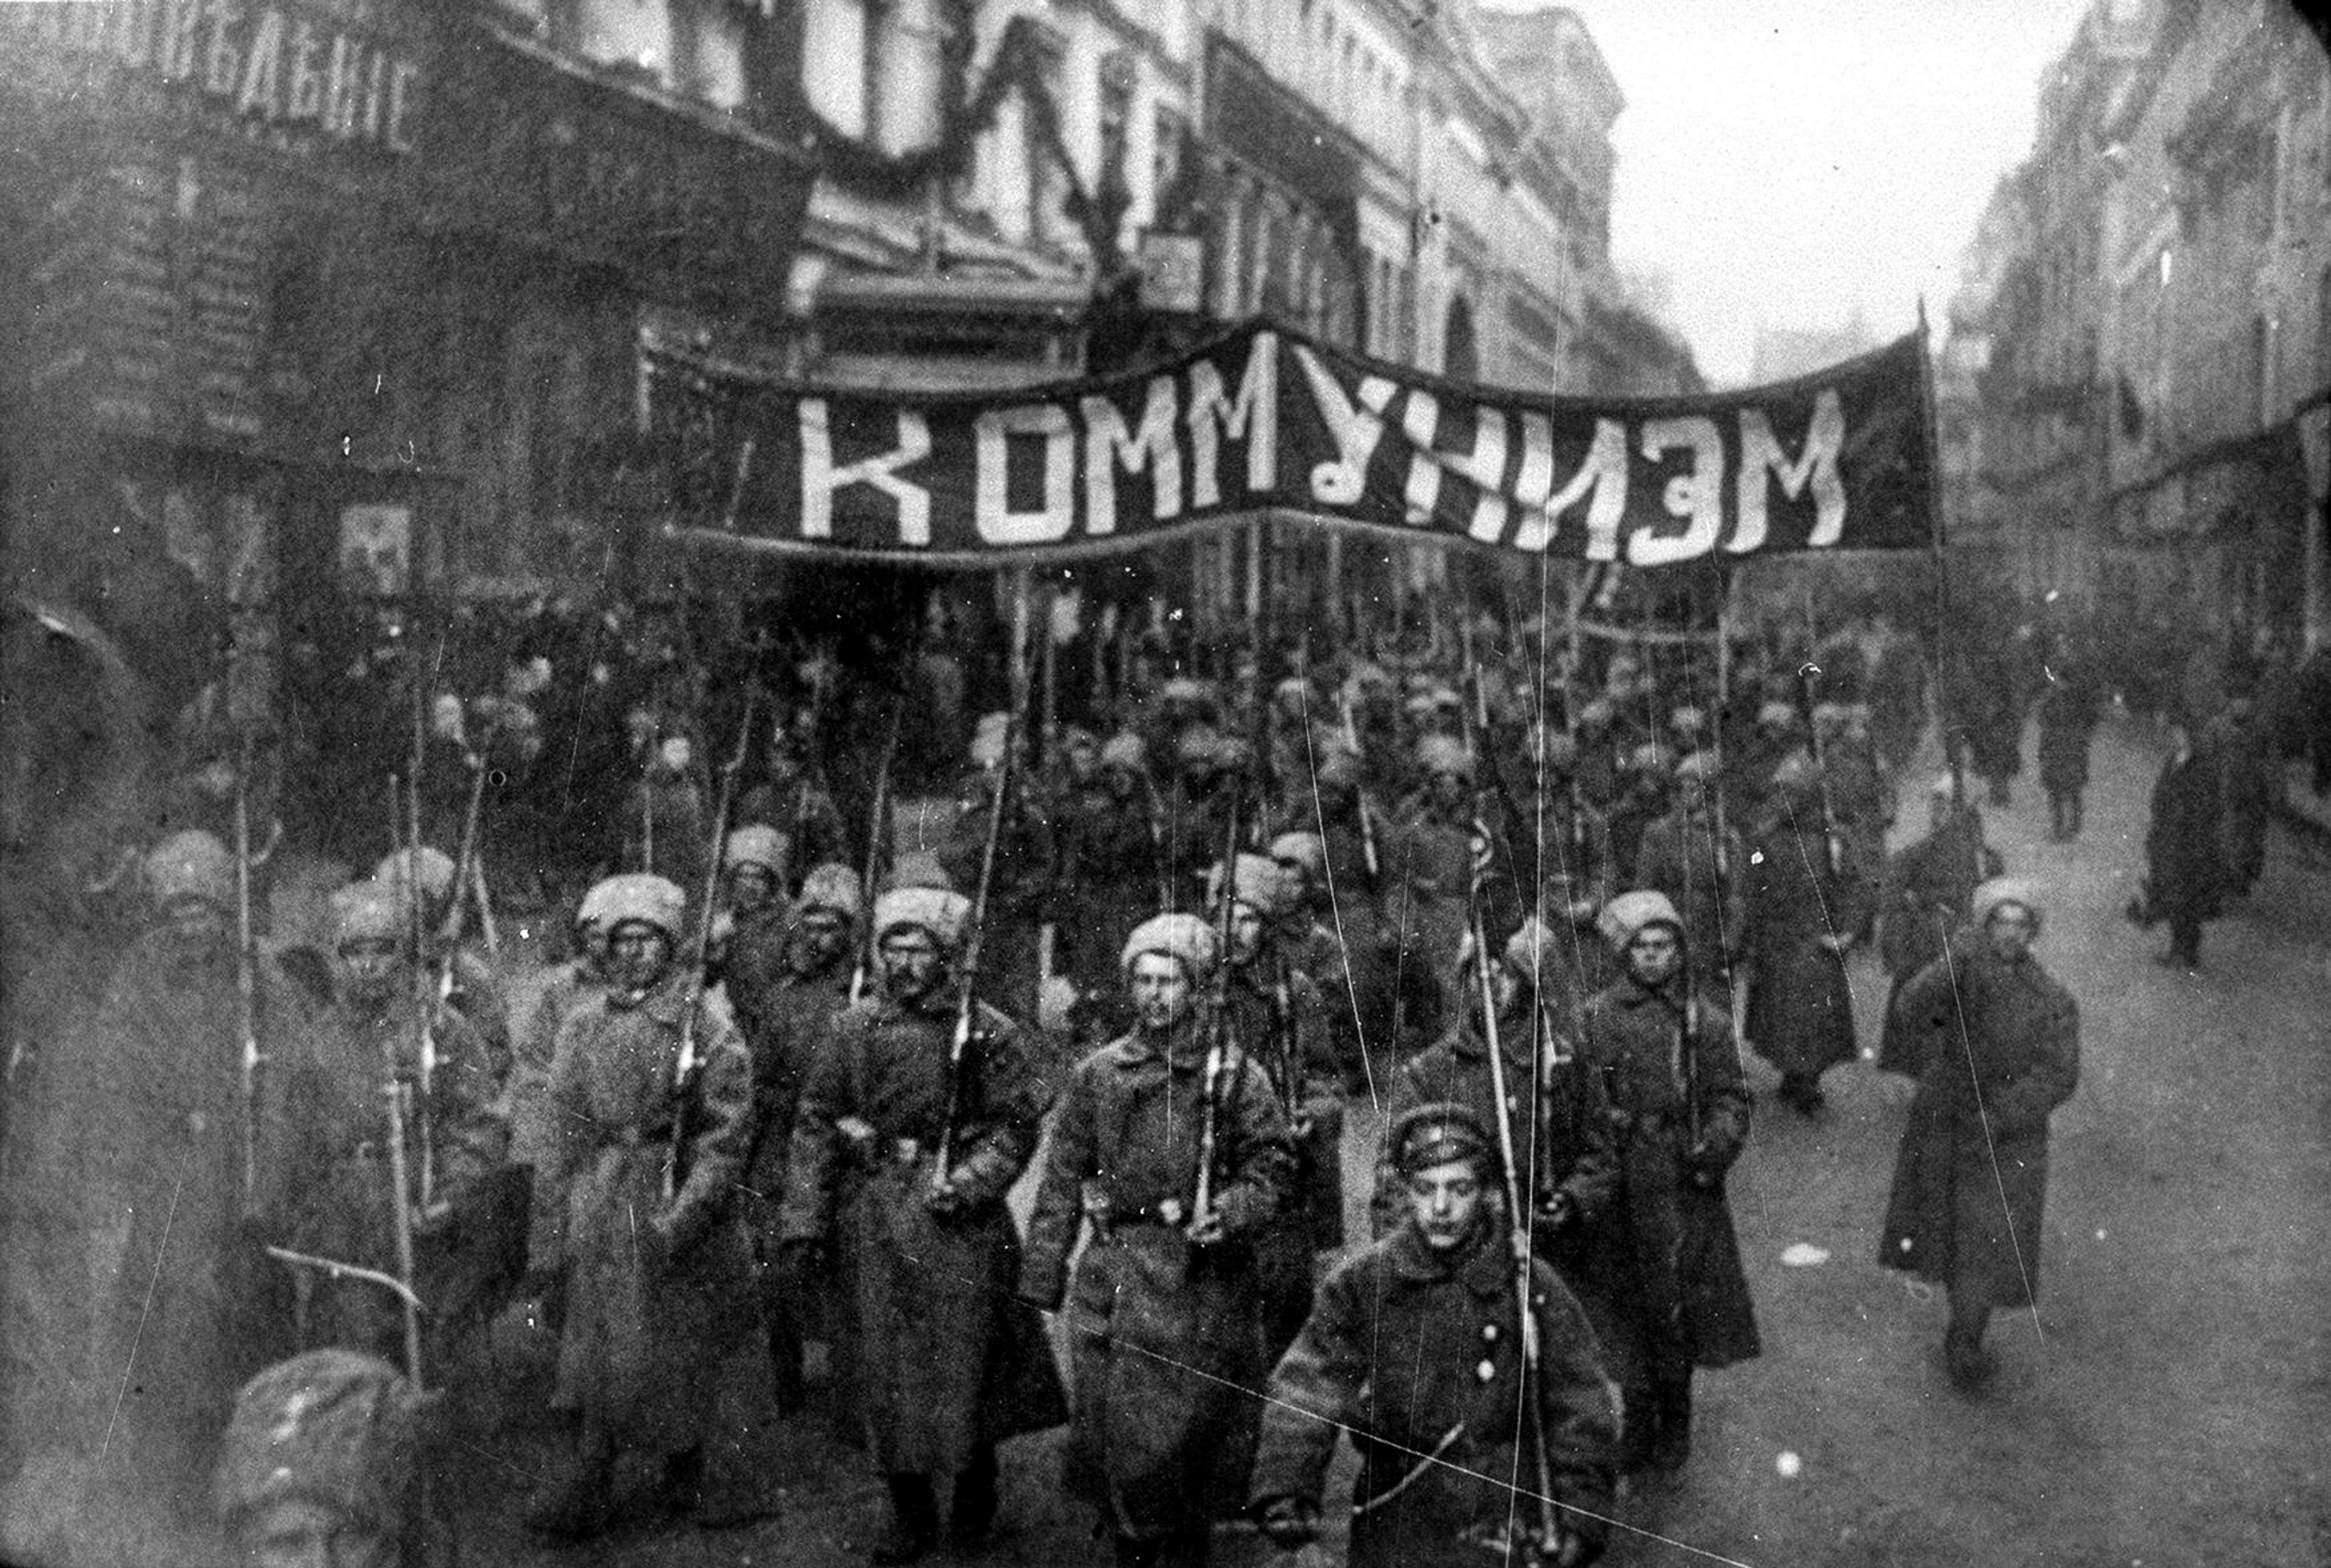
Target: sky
(1782, 162)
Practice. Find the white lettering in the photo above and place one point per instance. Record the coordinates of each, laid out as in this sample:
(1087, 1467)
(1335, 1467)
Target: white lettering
(181, 31)
(1151, 446)
(221, 62)
(1485, 465)
(991, 512)
(403, 78)
(1696, 495)
(1761, 461)
(1601, 476)
(821, 479)
(1355, 430)
(1251, 417)
(307, 97)
(262, 73)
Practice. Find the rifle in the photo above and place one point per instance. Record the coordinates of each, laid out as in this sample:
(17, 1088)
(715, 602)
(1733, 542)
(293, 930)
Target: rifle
(1360, 795)
(1510, 1170)
(699, 955)
(966, 1009)
(423, 1005)
(1218, 1042)
(394, 1089)
(874, 837)
(1808, 673)
(246, 984)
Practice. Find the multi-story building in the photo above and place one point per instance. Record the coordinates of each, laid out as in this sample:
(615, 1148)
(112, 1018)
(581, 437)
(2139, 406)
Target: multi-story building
(2151, 301)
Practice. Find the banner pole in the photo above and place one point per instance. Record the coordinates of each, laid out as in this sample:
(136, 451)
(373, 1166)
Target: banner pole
(1951, 752)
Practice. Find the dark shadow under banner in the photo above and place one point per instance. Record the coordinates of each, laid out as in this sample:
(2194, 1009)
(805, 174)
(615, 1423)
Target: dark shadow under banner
(1264, 421)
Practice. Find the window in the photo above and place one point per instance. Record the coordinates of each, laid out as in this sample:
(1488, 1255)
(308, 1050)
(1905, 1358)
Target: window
(632, 34)
(711, 41)
(836, 63)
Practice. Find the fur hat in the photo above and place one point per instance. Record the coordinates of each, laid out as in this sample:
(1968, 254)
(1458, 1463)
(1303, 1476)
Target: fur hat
(1629, 913)
(1339, 768)
(1125, 750)
(367, 912)
(1179, 935)
(1256, 881)
(638, 897)
(1445, 753)
(755, 845)
(987, 739)
(435, 867)
(917, 869)
(332, 1427)
(1435, 1134)
(832, 886)
(935, 910)
(1988, 896)
(1306, 849)
(190, 865)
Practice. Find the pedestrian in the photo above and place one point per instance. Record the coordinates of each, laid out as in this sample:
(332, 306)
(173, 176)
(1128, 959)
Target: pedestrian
(901, 1153)
(2067, 724)
(2247, 789)
(1805, 902)
(1176, 1151)
(1676, 1295)
(639, 1222)
(323, 1465)
(1416, 1349)
(1967, 1209)
(1924, 898)
(2185, 849)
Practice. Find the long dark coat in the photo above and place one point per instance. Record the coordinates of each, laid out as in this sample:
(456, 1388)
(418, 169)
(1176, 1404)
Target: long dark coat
(137, 1303)
(1109, 861)
(1165, 1339)
(2068, 723)
(657, 1290)
(1676, 1293)
(1799, 1006)
(2184, 845)
(1406, 1347)
(955, 1363)
(1971, 1181)
(1925, 897)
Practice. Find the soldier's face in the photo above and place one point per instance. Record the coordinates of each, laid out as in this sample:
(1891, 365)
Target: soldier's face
(1298, 879)
(1445, 1201)
(371, 968)
(1162, 991)
(912, 965)
(637, 955)
(194, 923)
(824, 933)
(2010, 931)
(296, 1533)
(1449, 789)
(1246, 933)
(1083, 758)
(1653, 955)
(1119, 781)
(751, 887)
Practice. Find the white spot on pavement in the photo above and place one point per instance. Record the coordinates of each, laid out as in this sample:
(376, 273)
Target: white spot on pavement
(1788, 1464)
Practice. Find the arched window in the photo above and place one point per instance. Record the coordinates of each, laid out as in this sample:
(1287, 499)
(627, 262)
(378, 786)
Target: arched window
(1460, 357)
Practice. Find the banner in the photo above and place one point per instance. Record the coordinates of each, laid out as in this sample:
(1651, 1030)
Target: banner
(1265, 422)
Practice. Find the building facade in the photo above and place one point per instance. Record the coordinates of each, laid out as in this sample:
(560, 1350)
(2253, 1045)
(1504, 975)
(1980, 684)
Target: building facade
(2145, 328)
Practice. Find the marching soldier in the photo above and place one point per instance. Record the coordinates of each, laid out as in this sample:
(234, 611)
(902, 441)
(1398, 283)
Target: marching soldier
(151, 1162)
(798, 806)
(1110, 837)
(908, 1147)
(1023, 865)
(467, 982)
(1927, 886)
(1277, 1018)
(1576, 874)
(568, 987)
(1432, 857)
(1416, 1348)
(639, 1216)
(376, 1035)
(1675, 1298)
(1555, 1101)
(1177, 1151)
(1701, 871)
(1806, 900)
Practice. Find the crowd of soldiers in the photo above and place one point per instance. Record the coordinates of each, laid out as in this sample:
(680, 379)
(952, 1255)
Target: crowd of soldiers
(1520, 905)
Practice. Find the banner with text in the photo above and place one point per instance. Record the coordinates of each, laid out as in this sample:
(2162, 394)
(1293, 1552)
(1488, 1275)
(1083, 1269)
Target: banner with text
(1265, 422)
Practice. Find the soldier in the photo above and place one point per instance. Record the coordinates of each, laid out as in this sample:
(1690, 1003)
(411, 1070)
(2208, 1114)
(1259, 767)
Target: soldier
(1967, 1206)
(1431, 858)
(375, 1031)
(1679, 1112)
(909, 1151)
(2185, 850)
(1110, 837)
(1016, 902)
(1644, 786)
(1923, 900)
(1701, 871)
(1177, 1151)
(1805, 901)
(1278, 1018)
(1415, 1349)
(467, 980)
(322, 1465)
(568, 986)
(138, 1296)
(1555, 1100)
(788, 994)
(798, 806)
(2068, 723)
(639, 1215)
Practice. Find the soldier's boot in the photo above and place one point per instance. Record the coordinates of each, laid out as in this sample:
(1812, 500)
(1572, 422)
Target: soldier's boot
(572, 1502)
(1963, 1356)
(1671, 1437)
(971, 1512)
(913, 1532)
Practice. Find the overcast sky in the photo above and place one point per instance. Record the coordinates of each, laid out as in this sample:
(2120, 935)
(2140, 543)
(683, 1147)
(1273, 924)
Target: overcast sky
(1785, 161)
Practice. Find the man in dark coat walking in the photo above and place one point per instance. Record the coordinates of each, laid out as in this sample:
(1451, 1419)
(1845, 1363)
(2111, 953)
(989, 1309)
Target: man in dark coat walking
(1805, 902)
(1416, 1348)
(911, 1151)
(2185, 849)
(1177, 1152)
(1923, 900)
(1966, 1207)
(1679, 1109)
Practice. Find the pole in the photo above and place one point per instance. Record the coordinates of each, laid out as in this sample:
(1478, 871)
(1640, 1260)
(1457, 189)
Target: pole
(1943, 620)
(246, 981)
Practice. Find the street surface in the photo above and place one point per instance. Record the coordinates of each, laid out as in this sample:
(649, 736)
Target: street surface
(2168, 1404)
